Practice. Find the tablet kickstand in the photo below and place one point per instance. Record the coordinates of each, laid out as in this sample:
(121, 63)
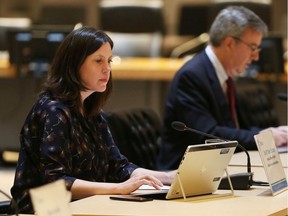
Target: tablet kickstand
(212, 195)
(181, 186)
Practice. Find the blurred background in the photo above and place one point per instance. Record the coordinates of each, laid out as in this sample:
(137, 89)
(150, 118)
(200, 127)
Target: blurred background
(173, 30)
(88, 11)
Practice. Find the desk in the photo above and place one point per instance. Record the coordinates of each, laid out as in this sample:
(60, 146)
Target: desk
(161, 69)
(255, 201)
(255, 159)
(141, 82)
(242, 206)
(137, 82)
(6, 181)
(6, 70)
(252, 202)
(138, 68)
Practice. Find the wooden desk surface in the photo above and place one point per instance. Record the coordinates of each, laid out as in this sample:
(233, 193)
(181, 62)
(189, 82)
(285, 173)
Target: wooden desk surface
(161, 69)
(6, 70)
(253, 202)
(237, 159)
(236, 206)
(146, 68)
(127, 68)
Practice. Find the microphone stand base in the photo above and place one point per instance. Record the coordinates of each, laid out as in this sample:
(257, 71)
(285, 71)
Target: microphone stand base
(240, 181)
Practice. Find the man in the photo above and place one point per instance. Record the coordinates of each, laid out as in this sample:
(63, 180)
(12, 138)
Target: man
(198, 92)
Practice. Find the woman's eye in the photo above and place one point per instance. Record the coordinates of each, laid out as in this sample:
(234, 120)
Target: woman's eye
(98, 60)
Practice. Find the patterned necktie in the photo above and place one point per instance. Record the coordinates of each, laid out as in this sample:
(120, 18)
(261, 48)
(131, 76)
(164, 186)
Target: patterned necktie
(231, 99)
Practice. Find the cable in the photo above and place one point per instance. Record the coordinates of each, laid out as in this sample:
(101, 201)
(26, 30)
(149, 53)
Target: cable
(14, 205)
(260, 183)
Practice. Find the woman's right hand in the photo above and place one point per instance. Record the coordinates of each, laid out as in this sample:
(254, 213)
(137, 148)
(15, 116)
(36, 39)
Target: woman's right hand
(137, 180)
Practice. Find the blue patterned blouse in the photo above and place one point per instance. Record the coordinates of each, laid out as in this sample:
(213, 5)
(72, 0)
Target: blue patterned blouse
(57, 143)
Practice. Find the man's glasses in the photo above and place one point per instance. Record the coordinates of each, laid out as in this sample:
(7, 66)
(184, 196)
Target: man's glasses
(254, 48)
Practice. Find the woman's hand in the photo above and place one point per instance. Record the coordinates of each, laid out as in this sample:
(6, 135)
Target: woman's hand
(136, 180)
(143, 176)
(140, 176)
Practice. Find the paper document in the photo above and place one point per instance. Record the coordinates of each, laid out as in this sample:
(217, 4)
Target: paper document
(148, 187)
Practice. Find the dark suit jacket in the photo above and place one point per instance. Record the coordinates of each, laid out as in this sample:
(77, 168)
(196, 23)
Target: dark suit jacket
(196, 98)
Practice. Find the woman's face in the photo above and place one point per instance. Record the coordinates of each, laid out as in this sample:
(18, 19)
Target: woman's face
(95, 71)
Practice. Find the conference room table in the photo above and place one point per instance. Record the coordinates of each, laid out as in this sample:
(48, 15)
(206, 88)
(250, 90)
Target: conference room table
(159, 69)
(129, 68)
(255, 201)
(138, 81)
(141, 68)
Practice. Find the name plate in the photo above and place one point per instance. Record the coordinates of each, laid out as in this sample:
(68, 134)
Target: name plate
(51, 199)
(271, 161)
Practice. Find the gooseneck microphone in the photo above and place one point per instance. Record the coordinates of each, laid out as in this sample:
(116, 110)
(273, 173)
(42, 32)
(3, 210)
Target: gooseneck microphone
(282, 96)
(180, 126)
(241, 181)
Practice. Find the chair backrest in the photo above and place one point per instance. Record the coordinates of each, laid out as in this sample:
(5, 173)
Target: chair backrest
(271, 57)
(136, 44)
(6, 24)
(189, 17)
(132, 16)
(255, 104)
(263, 10)
(136, 27)
(62, 15)
(190, 14)
(137, 134)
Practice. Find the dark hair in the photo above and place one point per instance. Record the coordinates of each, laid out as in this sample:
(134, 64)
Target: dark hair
(63, 79)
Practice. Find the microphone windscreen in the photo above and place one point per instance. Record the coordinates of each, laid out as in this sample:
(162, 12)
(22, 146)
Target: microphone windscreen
(282, 96)
(177, 125)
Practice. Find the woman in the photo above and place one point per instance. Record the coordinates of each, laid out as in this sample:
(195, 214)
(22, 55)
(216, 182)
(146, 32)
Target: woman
(66, 136)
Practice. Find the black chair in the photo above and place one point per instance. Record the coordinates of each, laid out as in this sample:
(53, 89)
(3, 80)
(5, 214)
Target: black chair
(136, 27)
(255, 103)
(132, 16)
(189, 19)
(62, 15)
(191, 14)
(263, 10)
(7, 24)
(137, 134)
(271, 57)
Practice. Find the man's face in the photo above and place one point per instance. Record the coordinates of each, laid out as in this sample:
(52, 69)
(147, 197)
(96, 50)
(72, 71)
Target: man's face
(243, 51)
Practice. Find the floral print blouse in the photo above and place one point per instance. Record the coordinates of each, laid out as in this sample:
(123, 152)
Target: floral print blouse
(57, 143)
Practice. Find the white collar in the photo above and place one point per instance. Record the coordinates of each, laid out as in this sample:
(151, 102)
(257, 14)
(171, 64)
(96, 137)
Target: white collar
(220, 71)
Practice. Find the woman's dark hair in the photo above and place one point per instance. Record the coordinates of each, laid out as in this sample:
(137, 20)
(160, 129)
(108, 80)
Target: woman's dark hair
(63, 79)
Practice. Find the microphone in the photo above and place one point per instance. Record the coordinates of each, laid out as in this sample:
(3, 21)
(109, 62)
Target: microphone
(241, 181)
(282, 96)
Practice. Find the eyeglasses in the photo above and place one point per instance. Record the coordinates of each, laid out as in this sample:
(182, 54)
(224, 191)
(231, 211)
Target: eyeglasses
(254, 48)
